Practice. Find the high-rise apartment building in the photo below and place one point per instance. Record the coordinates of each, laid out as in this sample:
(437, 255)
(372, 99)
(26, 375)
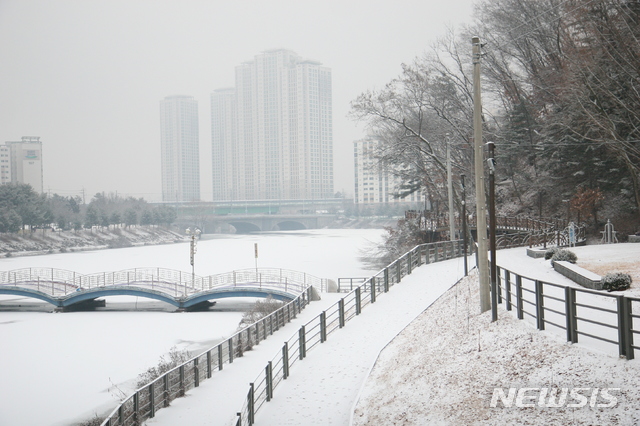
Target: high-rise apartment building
(374, 184)
(5, 164)
(180, 149)
(25, 159)
(272, 135)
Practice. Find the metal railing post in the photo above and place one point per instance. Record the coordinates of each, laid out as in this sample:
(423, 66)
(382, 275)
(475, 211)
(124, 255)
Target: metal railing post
(220, 358)
(507, 288)
(323, 326)
(250, 404)
(285, 360)
(341, 313)
(628, 328)
(181, 371)
(358, 300)
(231, 350)
(386, 280)
(372, 286)
(196, 373)
(136, 408)
(498, 286)
(622, 317)
(302, 342)
(539, 305)
(165, 393)
(519, 303)
(152, 400)
(268, 381)
(409, 265)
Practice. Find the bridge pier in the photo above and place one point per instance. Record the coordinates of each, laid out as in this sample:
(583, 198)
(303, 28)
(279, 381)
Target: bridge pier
(85, 305)
(202, 306)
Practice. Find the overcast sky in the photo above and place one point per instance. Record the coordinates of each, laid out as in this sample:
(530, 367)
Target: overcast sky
(87, 75)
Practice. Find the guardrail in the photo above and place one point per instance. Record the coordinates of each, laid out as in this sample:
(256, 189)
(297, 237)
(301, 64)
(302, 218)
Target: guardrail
(573, 310)
(334, 318)
(144, 402)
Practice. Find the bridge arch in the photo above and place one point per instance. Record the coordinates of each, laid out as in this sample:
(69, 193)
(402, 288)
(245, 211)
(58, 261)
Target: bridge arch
(290, 225)
(245, 227)
(237, 292)
(34, 294)
(81, 296)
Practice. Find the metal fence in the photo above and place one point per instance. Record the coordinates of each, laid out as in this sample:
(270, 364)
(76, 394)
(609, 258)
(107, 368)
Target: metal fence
(144, 402)
(601, 319)
(334, 318)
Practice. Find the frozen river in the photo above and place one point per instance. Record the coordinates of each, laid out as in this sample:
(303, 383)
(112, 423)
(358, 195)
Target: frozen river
(60, 368)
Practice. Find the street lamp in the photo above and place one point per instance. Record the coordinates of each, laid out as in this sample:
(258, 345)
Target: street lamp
(195, 233)
(464, 225)
(492, 231)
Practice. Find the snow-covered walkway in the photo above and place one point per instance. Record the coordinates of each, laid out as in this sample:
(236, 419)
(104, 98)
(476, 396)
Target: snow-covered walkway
(322, 389)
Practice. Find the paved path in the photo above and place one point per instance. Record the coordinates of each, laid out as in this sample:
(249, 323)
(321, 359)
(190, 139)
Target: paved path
(321, 389)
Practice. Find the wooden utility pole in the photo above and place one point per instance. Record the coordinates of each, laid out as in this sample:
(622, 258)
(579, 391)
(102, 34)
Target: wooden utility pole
(481, 208)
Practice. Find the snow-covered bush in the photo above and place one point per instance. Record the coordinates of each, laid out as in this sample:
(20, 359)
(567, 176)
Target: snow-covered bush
(259, 310)
(550, 252)
(174, 358)
(564, 255)
(616, 281)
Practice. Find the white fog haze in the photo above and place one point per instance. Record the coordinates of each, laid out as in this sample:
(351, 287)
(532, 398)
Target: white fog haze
(87, 76)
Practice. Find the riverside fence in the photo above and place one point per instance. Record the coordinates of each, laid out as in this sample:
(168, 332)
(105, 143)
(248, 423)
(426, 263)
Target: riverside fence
(334, 318)
(144, 402)
(602, 319)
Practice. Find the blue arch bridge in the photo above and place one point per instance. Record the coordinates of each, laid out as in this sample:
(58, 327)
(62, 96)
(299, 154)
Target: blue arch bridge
(68, 290)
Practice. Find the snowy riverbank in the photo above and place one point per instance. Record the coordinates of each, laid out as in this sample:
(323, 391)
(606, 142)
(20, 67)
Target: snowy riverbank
(47, 241)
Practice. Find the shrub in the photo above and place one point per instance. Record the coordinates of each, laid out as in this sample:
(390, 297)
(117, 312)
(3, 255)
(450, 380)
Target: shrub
(550, 252)
(616, 281)
(94, 421)
(175, 358)
(564, 255)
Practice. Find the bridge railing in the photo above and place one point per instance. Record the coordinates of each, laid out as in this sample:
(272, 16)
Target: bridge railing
(147, 400)
(61, 283)
(317, 330)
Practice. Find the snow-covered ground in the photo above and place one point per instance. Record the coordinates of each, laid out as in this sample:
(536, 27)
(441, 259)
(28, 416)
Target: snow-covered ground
(444, 367)
(74, 365)
(441, 369)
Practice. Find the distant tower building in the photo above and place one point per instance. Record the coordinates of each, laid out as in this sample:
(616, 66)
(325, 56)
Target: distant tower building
(5, 164)
(180, 149)
(225, 152)
(374, 184)
(272, 136)
(26, 162)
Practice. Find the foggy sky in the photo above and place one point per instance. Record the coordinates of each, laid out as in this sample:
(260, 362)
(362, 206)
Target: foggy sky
(87, 76)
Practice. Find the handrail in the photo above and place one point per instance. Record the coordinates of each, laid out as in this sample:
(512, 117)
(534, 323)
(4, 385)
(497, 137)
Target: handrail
(556, 305)
(143, 403)
(315, 332)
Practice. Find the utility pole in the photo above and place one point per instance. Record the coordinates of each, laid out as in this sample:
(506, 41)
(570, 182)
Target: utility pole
(481, 209)
(452, 225)
(492, 232)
